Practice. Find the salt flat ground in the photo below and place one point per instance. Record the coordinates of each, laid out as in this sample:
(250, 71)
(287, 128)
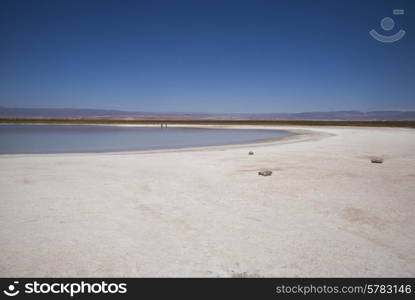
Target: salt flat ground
(325, 211)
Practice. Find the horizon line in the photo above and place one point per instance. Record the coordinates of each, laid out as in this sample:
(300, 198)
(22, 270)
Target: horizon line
(212, 113)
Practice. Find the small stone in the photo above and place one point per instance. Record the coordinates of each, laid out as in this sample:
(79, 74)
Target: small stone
(377, 160)
(265, 173)
(251, 152)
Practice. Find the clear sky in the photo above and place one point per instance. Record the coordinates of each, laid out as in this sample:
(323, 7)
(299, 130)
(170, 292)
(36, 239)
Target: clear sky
(206, 56)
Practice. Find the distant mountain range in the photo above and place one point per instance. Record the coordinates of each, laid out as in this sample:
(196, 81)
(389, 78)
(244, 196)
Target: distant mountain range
(70, 113)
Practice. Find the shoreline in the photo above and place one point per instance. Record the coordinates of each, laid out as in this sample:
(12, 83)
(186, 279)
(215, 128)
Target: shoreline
(296, 136)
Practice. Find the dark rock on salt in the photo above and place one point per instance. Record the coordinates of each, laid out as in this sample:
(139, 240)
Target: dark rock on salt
(377, 160)
(265, 173)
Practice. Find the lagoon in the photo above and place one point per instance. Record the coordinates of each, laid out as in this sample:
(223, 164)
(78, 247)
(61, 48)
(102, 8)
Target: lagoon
(25, 139)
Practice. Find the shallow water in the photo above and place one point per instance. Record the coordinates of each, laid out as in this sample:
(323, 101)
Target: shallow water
(94, 138)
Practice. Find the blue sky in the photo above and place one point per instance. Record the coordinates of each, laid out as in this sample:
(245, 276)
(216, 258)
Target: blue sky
(205, 56)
